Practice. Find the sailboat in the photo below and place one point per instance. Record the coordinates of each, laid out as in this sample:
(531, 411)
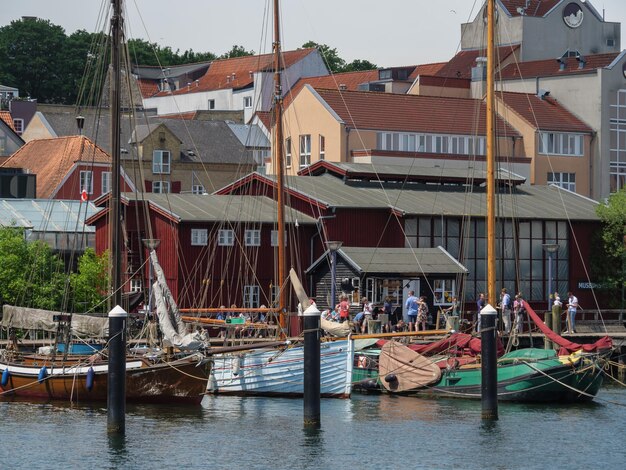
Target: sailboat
(152, 377)
(529, 375)
(280, 371)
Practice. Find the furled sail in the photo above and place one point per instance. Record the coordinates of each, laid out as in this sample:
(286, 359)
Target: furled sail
(170, 320)
(36, 319)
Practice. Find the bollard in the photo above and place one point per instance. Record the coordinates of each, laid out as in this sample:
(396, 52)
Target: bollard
(489, 364)
(311, 394)
(547, 344)
(556, 321)
(116, 380)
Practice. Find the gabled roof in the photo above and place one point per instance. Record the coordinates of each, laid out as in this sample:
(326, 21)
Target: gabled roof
(212, 208)
(460, 66)
(406, 261)
(6, 117)
(249, 135)
(411, 113)
(265, 117)
(427, 69)
(156, 72)
(552, 67)
(147, 88)
(336, 81)
(529, 7)
(520, 202)
(52, 159)
(412, 173)
(543, 114)
(236, 73)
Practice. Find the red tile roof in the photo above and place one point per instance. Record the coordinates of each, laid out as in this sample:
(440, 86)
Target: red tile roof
(235, 73)
(544, 114)
(448, 82)
(6, 117)
(427, 69)
(351, 80)
(460, 66)
(52, 159)
(535, 7)
(551, 67)
(266, 119)
(411, 113)
(147, 88)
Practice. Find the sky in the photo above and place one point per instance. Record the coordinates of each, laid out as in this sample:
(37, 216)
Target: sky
(385, 32)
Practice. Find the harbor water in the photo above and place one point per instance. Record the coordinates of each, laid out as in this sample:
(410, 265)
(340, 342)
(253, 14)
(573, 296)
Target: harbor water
(363, 432)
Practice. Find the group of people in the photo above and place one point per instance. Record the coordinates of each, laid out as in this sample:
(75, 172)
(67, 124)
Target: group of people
(572, 307)
(417, 311)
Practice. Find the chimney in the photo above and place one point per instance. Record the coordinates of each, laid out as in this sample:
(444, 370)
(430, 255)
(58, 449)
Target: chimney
(562, 63)
(581, 61)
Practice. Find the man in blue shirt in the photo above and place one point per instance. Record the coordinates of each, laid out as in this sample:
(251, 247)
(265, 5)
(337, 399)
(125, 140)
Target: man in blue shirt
(411, 309)
(505, 306)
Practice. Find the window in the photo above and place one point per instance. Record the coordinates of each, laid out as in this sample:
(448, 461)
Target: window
(199, 236)
(322, 147)
(305, 150)
(106, 182)
(86, 181)
(135, 285)
(247, 101)
(18, 124)
(563, 180)
(251, 296)
(443, 291)
(288, 152)
(253, 237)
(431, 143)
(274, 238)
(160, 187)
(558, 143)
(211, 104)
(161, 162)
(198, 189)
(226, 238)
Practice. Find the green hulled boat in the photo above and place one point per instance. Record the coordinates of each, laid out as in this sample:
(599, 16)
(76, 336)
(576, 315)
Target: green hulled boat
(525, 375)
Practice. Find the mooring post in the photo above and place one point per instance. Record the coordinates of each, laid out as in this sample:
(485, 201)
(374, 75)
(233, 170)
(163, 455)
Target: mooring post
(556, 322)
(116, 380)
(312, 417)
(489, 364)
(547, 344)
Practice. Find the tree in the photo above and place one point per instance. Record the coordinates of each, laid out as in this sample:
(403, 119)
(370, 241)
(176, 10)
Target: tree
(90, 283)
(334, 63)
(609, 265)
(359, 65)
(31, 58)
(86, 61)
(236, 51)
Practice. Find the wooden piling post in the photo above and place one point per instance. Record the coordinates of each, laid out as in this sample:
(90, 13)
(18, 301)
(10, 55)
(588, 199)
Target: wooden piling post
(489, 364)
(312, 415)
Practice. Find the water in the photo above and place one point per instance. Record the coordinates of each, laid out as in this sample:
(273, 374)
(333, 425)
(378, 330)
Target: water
(364, 432)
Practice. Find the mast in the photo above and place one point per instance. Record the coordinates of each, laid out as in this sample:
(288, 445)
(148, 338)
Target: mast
(491, 163)
(116, 377)
(279, 161)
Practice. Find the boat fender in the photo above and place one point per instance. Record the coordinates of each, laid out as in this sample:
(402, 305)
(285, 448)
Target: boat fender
(43, 373)
(236, 365)
(391, 378)
(91, 375)
(5, 377)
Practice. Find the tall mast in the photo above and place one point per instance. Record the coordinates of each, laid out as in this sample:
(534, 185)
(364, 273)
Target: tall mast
(279, 161)
(491, 160)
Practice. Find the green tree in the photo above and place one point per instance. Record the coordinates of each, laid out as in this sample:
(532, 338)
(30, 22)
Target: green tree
(30, 274)
(608, 267)
(236, 51)
(90, 283)
(86, 61)
(359, 65)
(31, 58)
(334, 63)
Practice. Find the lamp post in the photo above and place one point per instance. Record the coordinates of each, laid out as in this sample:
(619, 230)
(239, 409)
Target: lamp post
(333, 247)
(550, 248)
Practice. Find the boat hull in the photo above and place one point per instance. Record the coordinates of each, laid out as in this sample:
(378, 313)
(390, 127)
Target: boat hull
(280, 372)
(180, 381)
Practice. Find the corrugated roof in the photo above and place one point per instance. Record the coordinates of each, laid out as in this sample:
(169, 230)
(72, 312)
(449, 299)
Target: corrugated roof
(47, 215)
(520, 202)
(212, 208)
(552, 67)
(52, 159)
(412, 113)
(545, 114)
(249, 135)
(405, 261)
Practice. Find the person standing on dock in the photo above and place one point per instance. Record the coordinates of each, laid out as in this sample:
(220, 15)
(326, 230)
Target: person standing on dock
(505, 306)
(518, 311)
(572, 307)
(412, 305)
(422, 313)
(480, 304)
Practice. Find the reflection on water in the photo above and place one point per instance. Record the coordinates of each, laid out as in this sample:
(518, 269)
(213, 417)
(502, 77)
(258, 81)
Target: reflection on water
(366, 431)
